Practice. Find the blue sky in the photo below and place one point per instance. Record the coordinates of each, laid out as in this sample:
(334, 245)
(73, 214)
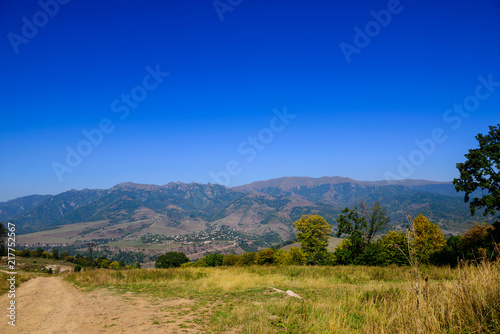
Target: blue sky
(235, 68)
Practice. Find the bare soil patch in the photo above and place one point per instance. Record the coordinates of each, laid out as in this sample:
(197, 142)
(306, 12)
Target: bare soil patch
(51, 305)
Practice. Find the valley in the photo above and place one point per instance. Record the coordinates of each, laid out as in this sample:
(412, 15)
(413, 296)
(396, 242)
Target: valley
(199, 218)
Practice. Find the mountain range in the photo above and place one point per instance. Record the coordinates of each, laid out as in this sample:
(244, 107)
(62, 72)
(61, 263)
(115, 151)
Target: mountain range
(140, 215)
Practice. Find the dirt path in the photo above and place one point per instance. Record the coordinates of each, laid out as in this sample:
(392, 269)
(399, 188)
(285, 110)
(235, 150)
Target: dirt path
(51, 305)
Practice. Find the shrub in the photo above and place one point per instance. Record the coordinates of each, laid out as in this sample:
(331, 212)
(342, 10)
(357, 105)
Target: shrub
(115, 265)
(77, 268)
(201, 263)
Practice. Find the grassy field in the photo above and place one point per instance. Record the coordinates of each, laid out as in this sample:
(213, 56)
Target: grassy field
(63, 234)
(340, 299)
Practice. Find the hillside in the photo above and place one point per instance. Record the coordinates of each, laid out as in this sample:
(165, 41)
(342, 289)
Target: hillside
(20, 205)
(206, 217)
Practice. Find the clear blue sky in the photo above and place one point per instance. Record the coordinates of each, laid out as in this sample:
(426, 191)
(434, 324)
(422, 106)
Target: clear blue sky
(69, 68)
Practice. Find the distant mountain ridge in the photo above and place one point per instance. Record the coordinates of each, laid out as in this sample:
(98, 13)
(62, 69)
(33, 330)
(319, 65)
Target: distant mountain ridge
(262, 208)
(293, 182)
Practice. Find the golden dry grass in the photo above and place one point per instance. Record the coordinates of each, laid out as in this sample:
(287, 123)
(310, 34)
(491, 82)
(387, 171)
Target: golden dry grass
(341, 299)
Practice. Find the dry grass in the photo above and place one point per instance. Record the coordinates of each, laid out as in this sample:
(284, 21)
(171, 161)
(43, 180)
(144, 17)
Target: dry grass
(20, 278)
(341, 299)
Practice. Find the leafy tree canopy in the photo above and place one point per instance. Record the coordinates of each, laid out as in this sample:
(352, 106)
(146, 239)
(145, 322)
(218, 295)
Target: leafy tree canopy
(481, 171)
(395, 246)
(426, 237)
(265, 256)
(314, 233)
(360, 227)
(364, 224)
(171, 260)
(214, 259)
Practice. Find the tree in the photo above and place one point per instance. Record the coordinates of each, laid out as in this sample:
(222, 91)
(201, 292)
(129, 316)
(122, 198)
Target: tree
(55, 253)
(214, 259)
(246, 259)
(171, 260)
(265, 256)
(450, 253)
(79, 259)
(104, 263)
(478, 237)
(481, 171)
(25, 252)
(297, 256)
(360, 228)
(426, 238)
(230, 260)
(115, 265)
(39, 251)
(314, 233)
(395, 247)
(365, 224)
(35, 253)
(3, 237)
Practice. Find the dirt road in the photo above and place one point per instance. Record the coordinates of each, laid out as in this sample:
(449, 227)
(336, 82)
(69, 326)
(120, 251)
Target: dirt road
(51, 305)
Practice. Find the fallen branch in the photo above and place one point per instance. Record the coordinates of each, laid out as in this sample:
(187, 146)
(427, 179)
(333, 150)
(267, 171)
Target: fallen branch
(288, 292)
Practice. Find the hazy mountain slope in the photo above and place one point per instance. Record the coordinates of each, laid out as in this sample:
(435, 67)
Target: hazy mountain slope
(50, 211)
(289, 183)
(20, 205)
(261, 208)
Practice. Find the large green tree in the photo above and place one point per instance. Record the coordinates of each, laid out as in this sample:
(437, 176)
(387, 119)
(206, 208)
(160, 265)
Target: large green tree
(481, 171)
(313, 234)
(171, 260)
(359, 226)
